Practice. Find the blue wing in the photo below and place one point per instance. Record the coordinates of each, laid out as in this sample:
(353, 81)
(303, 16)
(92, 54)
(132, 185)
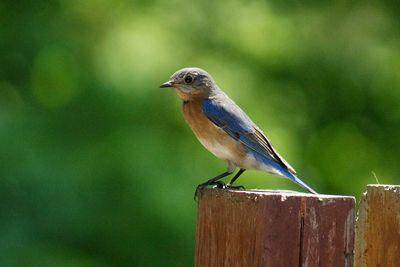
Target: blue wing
(224, 113)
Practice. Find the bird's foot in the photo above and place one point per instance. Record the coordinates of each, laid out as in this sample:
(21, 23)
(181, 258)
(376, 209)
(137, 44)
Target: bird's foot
(217, 184)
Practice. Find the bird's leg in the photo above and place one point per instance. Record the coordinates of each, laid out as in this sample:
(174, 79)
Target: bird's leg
(213, 181)
(229, 185)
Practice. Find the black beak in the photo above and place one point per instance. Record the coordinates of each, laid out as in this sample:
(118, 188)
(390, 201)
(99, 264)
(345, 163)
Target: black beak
(167, 84)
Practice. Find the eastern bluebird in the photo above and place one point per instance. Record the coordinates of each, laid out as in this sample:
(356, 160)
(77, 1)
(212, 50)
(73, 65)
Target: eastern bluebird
(225, 130)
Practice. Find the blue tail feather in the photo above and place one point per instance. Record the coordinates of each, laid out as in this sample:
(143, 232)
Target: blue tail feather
(295, 179)
(285, 172)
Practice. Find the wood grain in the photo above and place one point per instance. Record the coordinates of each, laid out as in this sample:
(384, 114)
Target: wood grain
(273, 228)
(378, 227)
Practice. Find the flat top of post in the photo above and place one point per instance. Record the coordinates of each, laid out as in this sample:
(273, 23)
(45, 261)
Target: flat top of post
(260, 193)
(385, 186)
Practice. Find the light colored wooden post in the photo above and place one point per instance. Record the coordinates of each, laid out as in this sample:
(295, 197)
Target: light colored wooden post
(273, 228)
(378, 227)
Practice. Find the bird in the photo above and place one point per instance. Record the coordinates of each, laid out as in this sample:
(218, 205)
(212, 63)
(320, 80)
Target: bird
(225, 130)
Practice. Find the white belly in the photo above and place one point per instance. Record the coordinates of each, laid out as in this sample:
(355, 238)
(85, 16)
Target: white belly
(219, 150)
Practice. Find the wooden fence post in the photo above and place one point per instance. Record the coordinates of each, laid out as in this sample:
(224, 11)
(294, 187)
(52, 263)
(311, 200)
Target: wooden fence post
(378, 227)
(273, 228)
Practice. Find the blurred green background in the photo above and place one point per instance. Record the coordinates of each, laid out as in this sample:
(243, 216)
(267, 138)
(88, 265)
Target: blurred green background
(98, 168)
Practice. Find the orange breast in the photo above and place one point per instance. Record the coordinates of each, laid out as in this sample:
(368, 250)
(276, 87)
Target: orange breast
(216, 140)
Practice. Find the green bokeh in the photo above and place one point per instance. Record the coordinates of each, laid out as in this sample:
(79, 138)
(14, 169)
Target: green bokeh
(97, 167)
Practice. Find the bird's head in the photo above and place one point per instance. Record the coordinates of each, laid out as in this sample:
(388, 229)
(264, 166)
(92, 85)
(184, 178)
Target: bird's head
(191, 83)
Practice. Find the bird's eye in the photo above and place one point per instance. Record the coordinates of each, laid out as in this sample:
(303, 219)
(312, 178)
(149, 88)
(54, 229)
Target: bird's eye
(188, 79)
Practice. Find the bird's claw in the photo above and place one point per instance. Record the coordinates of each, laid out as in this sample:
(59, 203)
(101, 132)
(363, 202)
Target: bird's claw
(217, 184)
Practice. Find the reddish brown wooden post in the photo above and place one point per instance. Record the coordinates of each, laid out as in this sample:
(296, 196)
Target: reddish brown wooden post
(378, 227)
(273, 228)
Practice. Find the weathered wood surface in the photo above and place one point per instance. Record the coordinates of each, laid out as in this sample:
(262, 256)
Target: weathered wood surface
(378, 227)
(273, 228)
